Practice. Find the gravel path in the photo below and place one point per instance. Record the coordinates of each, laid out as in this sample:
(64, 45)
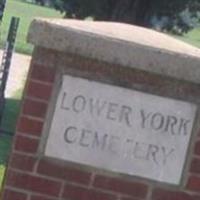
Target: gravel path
(17, 75)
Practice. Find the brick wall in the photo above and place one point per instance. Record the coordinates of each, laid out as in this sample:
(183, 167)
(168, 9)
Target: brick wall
(31, 176)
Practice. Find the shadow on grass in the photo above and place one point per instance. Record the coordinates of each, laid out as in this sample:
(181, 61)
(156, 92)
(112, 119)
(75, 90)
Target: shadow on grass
(10, 115)
(8, 124)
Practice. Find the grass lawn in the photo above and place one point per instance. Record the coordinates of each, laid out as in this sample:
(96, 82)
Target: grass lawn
(192, 37)
(26, 12)
(8, 123)
(5, 145)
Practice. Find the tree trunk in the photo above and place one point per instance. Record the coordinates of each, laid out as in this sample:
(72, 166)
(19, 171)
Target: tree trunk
(143, 11)
(131, 11)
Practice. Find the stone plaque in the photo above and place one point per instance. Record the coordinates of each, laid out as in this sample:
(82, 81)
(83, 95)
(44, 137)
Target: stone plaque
(120, 130)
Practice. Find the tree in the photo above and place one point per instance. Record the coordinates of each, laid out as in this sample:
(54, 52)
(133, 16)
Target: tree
(172, 15)
(2, 7)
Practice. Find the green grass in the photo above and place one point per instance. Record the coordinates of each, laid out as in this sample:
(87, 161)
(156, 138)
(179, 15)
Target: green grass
(192, 37)
(5, 146)
(11, 112)
(2, 172)
(8, 124)
(9, 121)
(26, 12)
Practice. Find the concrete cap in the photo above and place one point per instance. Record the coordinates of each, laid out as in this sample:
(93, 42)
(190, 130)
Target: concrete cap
(117, 43)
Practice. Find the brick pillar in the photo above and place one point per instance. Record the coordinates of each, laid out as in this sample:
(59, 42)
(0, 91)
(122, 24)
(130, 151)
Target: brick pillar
(136, 59)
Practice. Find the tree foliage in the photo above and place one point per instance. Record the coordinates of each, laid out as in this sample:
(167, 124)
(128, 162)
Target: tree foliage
(170, 15)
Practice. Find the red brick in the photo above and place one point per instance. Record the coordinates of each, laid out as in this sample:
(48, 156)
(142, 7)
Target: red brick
(30, 126)
(37, 197)
(128, 198)
(196, 197)
(34, 108)
(195, 166)
(39, 90)
(159, 194)
(42, 73)
(125, 187)
(33, 184)
(22, 162)
(78, 193)
(194, 183)
(197, 148)
(13, 195)
(25, 144)
(61, 171)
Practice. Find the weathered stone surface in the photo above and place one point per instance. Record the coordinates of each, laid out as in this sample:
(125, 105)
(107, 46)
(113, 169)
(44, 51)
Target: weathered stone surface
(121, 130)
(122, 44)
